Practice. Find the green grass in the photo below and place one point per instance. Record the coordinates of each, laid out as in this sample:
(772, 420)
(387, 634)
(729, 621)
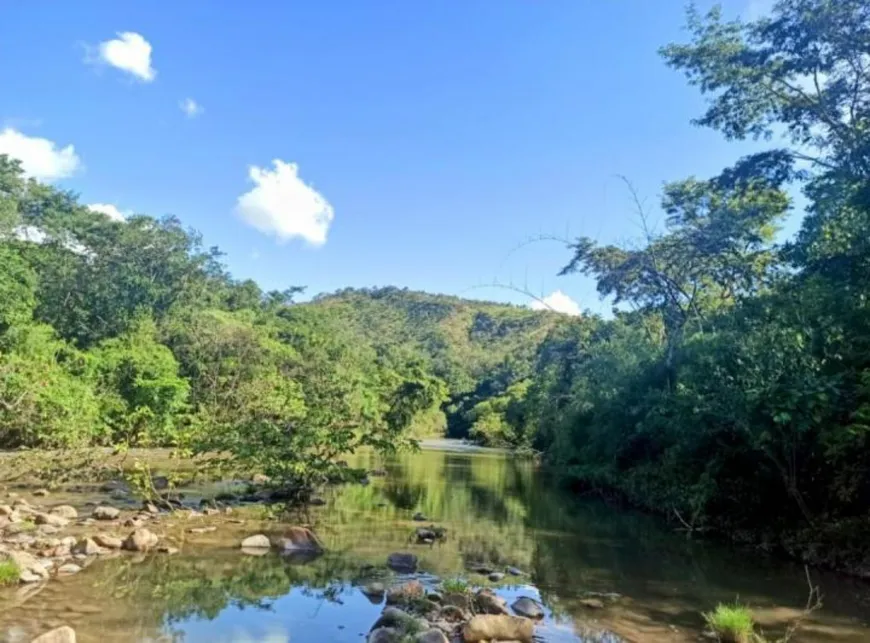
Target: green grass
(455, 586)
(731, 623)
(8, 572)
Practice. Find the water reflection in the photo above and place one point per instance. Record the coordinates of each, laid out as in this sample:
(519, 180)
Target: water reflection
(498, 510)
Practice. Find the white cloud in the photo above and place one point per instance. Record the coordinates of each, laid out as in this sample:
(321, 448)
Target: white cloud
(281, 204)
(129, 52)
(41, 159)
(559, 302)
(190, 107)
(109, 210)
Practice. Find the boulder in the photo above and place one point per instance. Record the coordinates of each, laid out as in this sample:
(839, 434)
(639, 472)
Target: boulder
(528, 607)
(65, 511)
(109, 542)
(40, 493)
(402, 563)
(405, 593)
(461, 600)
(63, 634)
(385, 635)
(105, 512)
(140, 540)
(373, 591)
(299, 539)
(258, 541)
(431, 636)
(167, 549)
(87, 547)
(6, 510)
(394, 618)
(68, 569)
(515, 571)
(489, 603)
(497, 627)
(151, 508)
(452, 614)
(496, 577)
(30, 568)
(50, 519)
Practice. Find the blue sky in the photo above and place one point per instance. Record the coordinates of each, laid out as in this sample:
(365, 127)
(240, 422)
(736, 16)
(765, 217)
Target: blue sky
(419, 144)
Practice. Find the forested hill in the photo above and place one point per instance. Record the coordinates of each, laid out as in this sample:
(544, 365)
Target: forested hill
(479, 349)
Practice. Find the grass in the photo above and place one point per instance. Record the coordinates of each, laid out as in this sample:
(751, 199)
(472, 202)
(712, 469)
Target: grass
(8, 572)
(455, 586)
(731, 623)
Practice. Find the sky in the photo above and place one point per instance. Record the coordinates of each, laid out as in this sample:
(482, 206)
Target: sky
(437, 145)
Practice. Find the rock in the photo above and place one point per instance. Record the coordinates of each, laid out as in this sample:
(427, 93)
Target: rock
(40, 493)
(68, 569)
(30, 568)
(592, 603)
(6, 510)
(489, 603)
(105, 512)
(402, 563)
(167, 549)
(452, 614)
(109, 542)
(515, 571)
(495, 577)
(405, 593)
(260, 479)
(140, 540)
(64, 511)
(373, 591)
(480, 568)
(425, 535)
(47, 530)
(63, 634)
(528, 607)
(299, 539)
(202, 530)
(150, 508)
(384, 635)
(69, 541)
(431, 636)
(49, 519)
(419, 517)
(434, 596)
(497, 627)
(393, 617)
(87, 547)
(259, 541)
(461, 600)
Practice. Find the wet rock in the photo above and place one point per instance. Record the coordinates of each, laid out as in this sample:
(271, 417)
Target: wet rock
(109, 542)
(68, 569)
(47, 530)
(150, 508)
(419, 517)
(69, 541)
(140, 540)
(167, 549)
(6, 510)
(211, 511)
(434, 596)
(497, 627)
(489, 603)
(30, 568)
(40, 493)
(431, 636)
(405, 593)
(258, 541)
(254, 551)
(385, 635)
(64, 511)
(592, 603)
(393, 617)
(87, 547)
(452, 614)
(480, 568)
(528, 607)
(63, 634)
(202, 530)
(104, 512)
(49, 519)
(60, 551)
(515, 571)
(373, 591)
(460, 600)
(402, 563)
(299, 539)
(425, 535)
(496, 577)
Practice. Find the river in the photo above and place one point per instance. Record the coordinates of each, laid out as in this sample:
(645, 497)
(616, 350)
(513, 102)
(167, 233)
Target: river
(652, 583)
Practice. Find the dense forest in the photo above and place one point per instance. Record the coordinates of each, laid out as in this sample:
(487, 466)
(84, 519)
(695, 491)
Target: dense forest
(729, 389)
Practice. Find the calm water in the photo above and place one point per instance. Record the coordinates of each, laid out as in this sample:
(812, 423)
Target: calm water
(497, 509)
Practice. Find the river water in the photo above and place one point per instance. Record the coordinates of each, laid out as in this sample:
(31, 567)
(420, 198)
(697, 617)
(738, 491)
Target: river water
(497, 509)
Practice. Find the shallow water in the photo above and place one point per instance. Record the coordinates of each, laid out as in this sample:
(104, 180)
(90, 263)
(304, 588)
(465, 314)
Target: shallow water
(497, 509)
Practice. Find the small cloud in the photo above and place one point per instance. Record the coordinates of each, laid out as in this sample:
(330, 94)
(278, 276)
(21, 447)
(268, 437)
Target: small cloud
(283, 205)
(558, 302)
(129, 52)
(190, 107)
(109, 210)
(40, 158)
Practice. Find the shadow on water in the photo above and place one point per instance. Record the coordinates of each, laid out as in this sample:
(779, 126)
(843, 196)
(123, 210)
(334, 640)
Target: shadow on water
(497, 510)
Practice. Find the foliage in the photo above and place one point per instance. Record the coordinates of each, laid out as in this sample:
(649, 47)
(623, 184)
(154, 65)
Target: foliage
(8, 572)
(731, 623)
(455, 586)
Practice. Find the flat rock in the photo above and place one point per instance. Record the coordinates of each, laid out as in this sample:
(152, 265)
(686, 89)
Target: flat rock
(402, 563)
(393, 617)
(40, 493)
(104, 512)
(64, 511)
(109, 542)
(257, 541)
(140, 540)
(50, 519)
(528, 607)
(68, 569)
(592, 603)
(87, 547)
(202, 530)
(495, 577)
(497, 627)
(63, 634)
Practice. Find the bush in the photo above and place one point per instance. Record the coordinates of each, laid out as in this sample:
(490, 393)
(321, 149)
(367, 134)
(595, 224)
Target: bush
(8, 572)
(731, 623)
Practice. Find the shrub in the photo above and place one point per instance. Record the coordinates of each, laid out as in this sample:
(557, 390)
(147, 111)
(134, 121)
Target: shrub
(8, 572)
(731, 623)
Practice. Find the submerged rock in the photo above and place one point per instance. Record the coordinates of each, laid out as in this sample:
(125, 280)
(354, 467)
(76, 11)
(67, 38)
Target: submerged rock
(299, 539)
(405, 593)
(104, 512)
(140, 540)
(402, 563)
(87, 547)
(258, 541)
(68, 569)
(498, 627)
(64, 634)
(373, 591)
(64, 511)
(528, 607)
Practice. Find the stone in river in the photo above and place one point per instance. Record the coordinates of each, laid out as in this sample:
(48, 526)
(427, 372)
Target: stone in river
(65, 511)
(405, 593)
(202, 530)
(385, 635)
(496, 577)
(109, 542)
(592, 603)
(258, 541)
(374, 592)
(431, 636)
(528, 607)
(419, 517)
(490, 603)
(402, 563)
(68, 569)
(140, 540)
(87, 547)
(63, 634)
(41, 493)
(299, 539)
(167, 549)
(393, 617)
(515, 571)
(497, 627)
(105, 512)
(49, 519)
